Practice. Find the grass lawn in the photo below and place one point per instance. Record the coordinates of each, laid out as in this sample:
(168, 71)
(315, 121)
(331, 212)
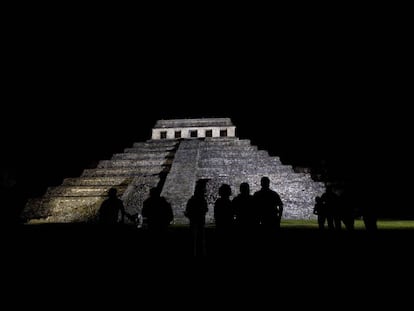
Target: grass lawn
(395, 224)
(359, 224)
(383, 224)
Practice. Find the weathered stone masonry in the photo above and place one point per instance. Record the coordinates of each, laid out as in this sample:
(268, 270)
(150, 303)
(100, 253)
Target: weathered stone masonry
(216, 159)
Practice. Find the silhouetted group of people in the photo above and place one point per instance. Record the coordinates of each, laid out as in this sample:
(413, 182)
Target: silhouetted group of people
(264, 209)
(245, 213)
(156, 210)
(248, 211)
(334, 210)
(245, 210)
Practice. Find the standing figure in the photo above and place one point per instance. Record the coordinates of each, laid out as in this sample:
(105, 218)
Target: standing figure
(195, 211)
(320, 210)
(244, 209)
(110, 208)
(223, 218)
(270, 206)
(246, 219)
(223, 209)
(333, 209)
(157, 212)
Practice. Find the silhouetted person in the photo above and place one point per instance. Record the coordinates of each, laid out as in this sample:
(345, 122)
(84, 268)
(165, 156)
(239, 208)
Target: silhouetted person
(243, 206)
(195, 211)
(157, 212)
(320, 209)
(223, 209)
(270, 205)
(223, 218)
(246, 220)
(334, 214)
(110, 209)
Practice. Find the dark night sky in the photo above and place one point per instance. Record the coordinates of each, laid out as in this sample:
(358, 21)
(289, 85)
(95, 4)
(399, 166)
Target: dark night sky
(78, 94)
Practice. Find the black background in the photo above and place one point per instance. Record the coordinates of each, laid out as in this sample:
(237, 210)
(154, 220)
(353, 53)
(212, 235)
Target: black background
(310, 88)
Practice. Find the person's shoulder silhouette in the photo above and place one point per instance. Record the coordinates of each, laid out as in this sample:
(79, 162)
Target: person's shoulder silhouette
(110, 209)
(223, 213)
(195, 211)
(243, 206)
(267, 194)
(156, 210)
(196, 208)
(269, 203)
(318, 207)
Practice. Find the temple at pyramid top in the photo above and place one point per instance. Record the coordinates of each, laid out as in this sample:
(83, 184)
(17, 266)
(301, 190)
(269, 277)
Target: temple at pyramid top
(193, 128)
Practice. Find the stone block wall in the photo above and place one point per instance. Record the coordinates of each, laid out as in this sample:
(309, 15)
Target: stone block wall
(234, 161)
(185, 161)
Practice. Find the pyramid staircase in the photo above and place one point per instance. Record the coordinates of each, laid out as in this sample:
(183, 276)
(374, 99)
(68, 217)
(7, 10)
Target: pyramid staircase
(176, 165)
(132, 173)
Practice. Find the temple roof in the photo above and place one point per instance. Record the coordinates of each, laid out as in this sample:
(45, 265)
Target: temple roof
(205, 122)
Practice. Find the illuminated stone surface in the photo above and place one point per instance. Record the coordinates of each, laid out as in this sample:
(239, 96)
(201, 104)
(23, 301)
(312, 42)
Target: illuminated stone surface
(199, 127)
(178, 164)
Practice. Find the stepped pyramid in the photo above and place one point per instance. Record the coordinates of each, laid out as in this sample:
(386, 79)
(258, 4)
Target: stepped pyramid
(180, 153)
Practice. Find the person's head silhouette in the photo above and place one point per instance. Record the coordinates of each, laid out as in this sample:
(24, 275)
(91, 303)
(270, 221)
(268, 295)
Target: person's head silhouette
(199, 190)
(112, 193)
(265, 182)
(244, 188)
(225, 191)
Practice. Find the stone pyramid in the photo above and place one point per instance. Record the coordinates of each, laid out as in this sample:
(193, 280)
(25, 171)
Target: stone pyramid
(180, 153)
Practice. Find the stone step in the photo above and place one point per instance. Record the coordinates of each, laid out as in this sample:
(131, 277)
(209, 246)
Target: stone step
(35, 208)
(85, 208)
(136, 171)
(243, 169)
(142, 156)
(158, 142)
(233, 155)
(149, 149)
(239, 162)
(63, 209)
(132, 163)
(97, 181)
(205, 148)
(254, 180)
(277, 160)
(132, 196)
(219, 142)
(275, 179)
(137, 192)
(82, 191)
(278, 184)
(225, 138)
